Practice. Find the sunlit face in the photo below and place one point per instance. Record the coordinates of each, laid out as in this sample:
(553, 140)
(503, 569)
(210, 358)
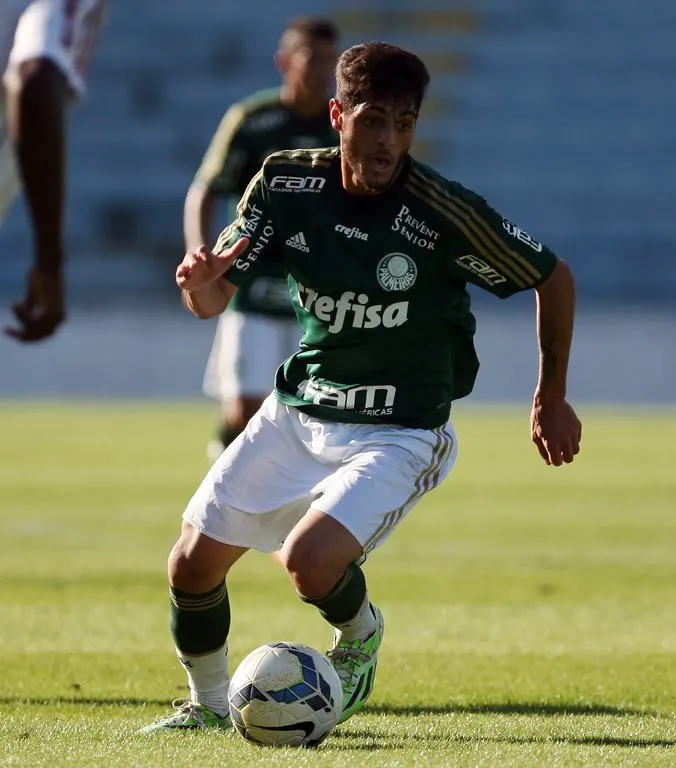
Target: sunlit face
(375, 138)
(308, 66)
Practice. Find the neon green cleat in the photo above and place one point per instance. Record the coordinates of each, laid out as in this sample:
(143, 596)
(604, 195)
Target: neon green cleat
(355, 664)
(189, 716)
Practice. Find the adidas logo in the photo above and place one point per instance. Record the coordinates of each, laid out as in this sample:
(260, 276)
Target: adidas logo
(298, 242)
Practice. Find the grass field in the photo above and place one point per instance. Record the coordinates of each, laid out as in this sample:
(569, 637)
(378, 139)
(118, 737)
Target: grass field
(530, 610)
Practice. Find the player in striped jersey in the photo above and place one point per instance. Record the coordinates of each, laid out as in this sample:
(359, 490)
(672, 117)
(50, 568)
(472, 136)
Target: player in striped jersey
(378, 250)
(259, 328)
(45, 47)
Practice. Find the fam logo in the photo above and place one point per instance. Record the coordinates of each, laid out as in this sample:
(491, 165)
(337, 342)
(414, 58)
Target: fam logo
(521, 234)
(297, 184)
(396, 272)
(369, 400)
(479, 267)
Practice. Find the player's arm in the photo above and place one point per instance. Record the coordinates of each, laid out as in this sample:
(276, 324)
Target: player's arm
(219, 175)
(208, 278)
(44, 74)
(506, 259)
(555, 428)
(200, 277)
(37, 98)
(555, 299)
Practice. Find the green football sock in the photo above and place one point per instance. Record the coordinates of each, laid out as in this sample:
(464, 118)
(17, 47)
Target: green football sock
(200, 623)
(200, 626)
(345, 600)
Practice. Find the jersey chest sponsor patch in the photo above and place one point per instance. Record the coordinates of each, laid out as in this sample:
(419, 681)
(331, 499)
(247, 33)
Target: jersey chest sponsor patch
(414, 229)
(352, 310)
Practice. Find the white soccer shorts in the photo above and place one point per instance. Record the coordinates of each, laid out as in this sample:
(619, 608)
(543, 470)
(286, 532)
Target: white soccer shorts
(247, 350)
(63, 31)
(366, 476)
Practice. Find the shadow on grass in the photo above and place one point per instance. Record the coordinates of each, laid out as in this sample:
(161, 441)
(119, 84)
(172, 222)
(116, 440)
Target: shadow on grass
(365, 740)
(359, 735)
(541, 709)
(88, 701)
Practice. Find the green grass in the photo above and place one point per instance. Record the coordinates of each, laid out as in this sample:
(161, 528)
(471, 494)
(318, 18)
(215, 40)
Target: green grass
(530, 610)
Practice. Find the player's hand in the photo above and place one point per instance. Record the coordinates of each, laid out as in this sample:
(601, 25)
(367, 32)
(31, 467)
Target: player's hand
(42, 310)
(556, 431)
(201, 267)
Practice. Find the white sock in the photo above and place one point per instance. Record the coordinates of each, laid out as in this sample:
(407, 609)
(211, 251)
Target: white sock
(359, 627)
(208, 678)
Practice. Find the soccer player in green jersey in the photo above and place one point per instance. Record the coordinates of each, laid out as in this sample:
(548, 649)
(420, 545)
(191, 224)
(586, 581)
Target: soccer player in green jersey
(259, 329)
(378, 250)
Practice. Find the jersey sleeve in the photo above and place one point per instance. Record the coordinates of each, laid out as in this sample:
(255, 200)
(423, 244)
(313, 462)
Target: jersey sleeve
(498, 256)
(253, 220)
(226, 159)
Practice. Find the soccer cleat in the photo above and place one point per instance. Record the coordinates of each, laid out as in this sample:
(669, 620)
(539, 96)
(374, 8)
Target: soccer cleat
(189, 716)
(355, 664)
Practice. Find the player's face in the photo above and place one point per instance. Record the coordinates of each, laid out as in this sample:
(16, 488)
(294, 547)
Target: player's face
(309, 66)
(375, 138)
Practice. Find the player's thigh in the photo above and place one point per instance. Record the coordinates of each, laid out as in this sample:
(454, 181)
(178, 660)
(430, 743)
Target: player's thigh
(375, 490)
(63, 32)
(260, 487)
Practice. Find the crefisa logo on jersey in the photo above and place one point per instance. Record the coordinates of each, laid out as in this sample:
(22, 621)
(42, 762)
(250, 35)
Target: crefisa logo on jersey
(297, 184)
(352, 310)
(396, 272)
(351, 232)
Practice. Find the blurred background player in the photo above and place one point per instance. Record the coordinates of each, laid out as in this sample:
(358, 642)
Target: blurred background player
(45, 47)
(259, 330)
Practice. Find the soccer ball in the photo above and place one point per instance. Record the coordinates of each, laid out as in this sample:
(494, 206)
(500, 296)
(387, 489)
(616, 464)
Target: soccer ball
(285, 694)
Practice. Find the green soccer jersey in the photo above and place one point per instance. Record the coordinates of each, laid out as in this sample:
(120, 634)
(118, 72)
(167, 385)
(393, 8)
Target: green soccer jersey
(251, 130)
(379, 284)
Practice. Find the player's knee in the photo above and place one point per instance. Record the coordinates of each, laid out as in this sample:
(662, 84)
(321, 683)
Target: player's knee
(187, 570)
(309, 570)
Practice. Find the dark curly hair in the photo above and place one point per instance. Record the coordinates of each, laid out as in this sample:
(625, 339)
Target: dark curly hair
(380, 72)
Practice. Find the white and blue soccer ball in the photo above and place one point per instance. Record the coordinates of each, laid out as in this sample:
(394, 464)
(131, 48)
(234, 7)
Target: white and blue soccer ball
(285, 694)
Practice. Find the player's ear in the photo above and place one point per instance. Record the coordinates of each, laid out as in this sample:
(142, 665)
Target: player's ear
(336, 114)
(281, 61)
